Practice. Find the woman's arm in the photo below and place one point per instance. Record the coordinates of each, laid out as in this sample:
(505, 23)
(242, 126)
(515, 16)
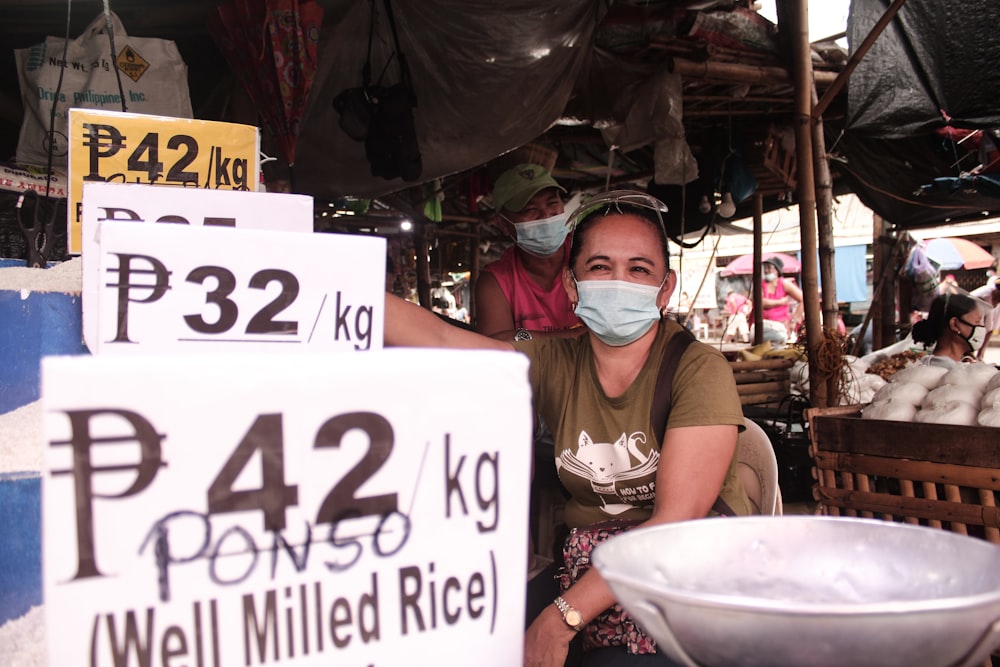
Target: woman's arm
(493, 312)
(409, 325)
(693, 464)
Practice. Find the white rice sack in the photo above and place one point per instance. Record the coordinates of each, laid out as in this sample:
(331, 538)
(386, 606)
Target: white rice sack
(798, 374)
(868, 386)
(991, 399)
(947, 393)
(928, 376)
(907, 392)
(977, 375)
(870, 381)
(994, 382)
(990, 417)
(957, 413)
(890, 410)
(857, 364)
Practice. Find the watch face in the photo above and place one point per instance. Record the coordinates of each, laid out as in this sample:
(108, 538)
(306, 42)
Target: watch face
(573, 618)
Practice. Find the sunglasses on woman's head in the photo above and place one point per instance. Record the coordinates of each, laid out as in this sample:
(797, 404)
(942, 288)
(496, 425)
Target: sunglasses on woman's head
(622, 201)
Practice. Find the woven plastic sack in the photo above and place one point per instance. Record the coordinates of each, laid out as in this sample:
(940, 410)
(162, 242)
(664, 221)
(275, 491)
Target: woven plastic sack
(922, 271)
(153, 77)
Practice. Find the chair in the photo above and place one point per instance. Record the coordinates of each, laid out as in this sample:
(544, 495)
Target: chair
(757, 467)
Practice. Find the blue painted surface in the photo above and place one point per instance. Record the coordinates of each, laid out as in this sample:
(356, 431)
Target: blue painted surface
(31, 327)
(20, 544)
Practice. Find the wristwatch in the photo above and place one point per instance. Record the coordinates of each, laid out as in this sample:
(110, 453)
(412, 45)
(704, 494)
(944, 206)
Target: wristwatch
(571, 616)
(522, 334)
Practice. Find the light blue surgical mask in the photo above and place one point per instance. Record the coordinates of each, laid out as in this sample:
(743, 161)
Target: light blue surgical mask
(618, 312)
(542, 237)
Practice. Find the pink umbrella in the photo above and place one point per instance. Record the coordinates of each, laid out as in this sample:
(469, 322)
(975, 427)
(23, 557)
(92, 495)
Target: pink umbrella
(957, 253)
(743, 265)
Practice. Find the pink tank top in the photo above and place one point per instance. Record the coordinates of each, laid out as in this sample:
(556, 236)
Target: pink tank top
(778, 313)
(533, 307)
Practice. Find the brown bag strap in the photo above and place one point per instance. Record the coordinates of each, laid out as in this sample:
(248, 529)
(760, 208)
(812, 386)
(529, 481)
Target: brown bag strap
(660, 410)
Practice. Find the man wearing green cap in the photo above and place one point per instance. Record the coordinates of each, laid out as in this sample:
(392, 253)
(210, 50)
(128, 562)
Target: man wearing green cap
(522, 291)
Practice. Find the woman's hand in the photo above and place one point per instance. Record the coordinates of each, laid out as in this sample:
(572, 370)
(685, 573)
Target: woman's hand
(546, 643)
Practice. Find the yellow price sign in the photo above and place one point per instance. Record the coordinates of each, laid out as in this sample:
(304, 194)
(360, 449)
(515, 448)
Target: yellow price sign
(116, 147)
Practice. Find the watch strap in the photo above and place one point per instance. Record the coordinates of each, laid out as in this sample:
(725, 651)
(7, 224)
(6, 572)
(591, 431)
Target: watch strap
(571, 616)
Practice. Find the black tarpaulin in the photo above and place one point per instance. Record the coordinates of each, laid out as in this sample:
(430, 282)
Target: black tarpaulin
(938, 59)
(933, 71)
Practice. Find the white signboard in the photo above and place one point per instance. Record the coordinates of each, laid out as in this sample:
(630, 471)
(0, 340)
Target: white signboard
(188, 206)
(327, 509)
(204, 289)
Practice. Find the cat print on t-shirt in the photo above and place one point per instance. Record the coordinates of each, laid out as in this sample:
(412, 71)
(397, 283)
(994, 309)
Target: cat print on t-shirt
(622, 473)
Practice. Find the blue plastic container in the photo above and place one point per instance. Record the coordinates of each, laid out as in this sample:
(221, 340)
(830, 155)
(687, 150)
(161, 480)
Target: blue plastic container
(20, 544)
(33, 325)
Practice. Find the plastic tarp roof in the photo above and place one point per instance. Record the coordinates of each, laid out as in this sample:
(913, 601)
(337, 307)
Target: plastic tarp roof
(477, 97)
(935, 67)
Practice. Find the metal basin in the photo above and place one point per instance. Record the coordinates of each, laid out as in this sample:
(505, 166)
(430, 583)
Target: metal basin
(808, 591)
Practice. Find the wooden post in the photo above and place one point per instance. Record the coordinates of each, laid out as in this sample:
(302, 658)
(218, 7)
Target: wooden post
(758, 273)
(880, 255)
(802, 76)
(887, 299)
(827, 250)
(421, 247)
(474, 264)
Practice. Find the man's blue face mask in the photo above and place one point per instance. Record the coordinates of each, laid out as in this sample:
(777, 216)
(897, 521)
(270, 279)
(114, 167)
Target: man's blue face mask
(542, 237)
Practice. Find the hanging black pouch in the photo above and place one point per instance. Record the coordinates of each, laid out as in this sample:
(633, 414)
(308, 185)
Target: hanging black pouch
(382, 116)
(391, 144)
(355, 108)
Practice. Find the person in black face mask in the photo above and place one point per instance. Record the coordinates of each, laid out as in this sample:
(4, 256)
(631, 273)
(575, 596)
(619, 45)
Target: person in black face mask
(954, 327)
(597, 391)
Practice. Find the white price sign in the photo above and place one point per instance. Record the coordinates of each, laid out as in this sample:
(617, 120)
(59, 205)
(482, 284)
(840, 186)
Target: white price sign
(296, 510)
(207, 289)
(157, 204)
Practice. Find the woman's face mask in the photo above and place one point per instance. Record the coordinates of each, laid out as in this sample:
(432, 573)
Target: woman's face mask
(542, 237)
(771, 277)
(976, 335)
(618, 312)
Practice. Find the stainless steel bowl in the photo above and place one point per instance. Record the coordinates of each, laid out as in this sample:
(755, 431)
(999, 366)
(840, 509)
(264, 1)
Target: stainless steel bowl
(808, 591)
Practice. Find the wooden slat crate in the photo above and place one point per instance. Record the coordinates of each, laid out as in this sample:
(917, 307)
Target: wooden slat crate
(934, 475)
(762, 383)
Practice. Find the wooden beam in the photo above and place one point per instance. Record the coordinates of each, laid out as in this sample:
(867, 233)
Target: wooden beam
(737, 73)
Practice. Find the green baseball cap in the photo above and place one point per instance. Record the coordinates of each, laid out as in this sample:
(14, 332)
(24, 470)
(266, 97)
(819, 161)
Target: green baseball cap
(517, 185)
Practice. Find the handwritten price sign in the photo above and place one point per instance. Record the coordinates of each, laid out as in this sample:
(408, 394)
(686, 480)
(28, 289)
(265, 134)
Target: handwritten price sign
(303, 510)
(174, 288)
(148, 204)
(115, 147)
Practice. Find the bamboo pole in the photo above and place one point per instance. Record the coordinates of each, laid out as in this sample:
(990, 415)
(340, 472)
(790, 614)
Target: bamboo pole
(758, 287)
(474, 270)
(824, 224)
(827, 249)
(421, 246)
(802, 73)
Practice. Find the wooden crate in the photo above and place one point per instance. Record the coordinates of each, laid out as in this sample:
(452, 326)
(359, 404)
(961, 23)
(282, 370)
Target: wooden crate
(762, 383)
(934, 475)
